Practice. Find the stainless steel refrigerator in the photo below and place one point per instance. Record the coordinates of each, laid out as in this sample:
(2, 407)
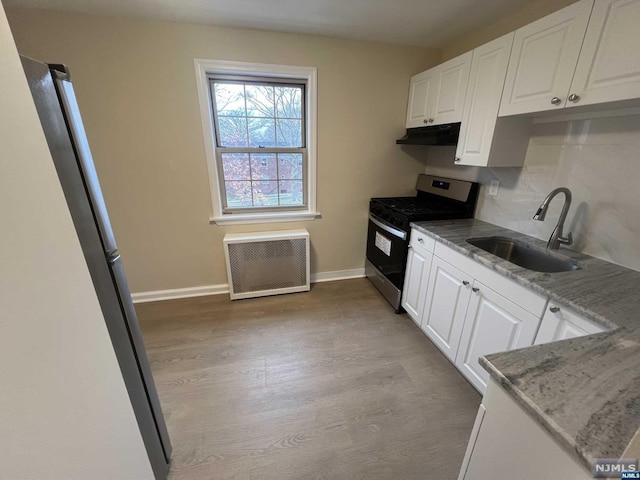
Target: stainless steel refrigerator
(57, 108)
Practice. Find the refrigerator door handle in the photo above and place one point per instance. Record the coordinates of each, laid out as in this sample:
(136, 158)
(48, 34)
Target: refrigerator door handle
(113, 258)
(85, 161)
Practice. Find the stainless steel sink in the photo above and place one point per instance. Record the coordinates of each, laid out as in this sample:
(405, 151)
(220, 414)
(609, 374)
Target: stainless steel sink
(525, 255)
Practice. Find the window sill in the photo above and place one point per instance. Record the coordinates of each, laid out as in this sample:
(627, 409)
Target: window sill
(253, 218)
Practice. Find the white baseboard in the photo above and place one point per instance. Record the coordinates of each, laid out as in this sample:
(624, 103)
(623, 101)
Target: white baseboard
(337, 275)
(175, 293)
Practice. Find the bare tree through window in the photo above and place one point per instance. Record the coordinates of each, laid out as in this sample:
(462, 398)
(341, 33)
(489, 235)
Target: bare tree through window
(261, 142)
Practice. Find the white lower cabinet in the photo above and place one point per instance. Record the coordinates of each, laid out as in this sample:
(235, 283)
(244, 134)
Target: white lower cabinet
(492, 324)
(416, 278)
(448, 295)
(466, 309)
(506, 443)
(559, 323)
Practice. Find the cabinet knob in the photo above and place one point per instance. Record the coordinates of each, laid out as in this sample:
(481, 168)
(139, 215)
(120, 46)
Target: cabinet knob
(420, 240)
(465, 283)
(573, 97)
(457, 159)
(555, 101)
(554, 309)
(475, 289)
(425, 121)
(431, 120)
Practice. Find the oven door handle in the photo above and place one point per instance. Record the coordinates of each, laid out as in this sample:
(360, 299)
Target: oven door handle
(393, 231)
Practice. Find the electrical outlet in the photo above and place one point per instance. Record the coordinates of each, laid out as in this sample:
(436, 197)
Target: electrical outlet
(493, 189)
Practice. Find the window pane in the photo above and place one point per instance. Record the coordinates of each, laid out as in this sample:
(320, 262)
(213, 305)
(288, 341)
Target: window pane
(289, 133)
(249, 116)
(264, 166)
(230, 99)
(235, 166)
(288, 102)
(238, 194)
(261, 132)
(233, 131)
(260, 101)
(290, 167)
(265, 193)
(291, 192)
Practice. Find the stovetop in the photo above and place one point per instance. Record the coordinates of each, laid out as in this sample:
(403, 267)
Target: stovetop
(414, 207)
(437, 198)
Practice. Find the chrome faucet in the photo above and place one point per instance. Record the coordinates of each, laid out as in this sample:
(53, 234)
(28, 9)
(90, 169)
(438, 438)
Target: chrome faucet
(556, 238)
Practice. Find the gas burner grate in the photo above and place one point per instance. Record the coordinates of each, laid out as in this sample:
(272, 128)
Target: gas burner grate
(416, 207)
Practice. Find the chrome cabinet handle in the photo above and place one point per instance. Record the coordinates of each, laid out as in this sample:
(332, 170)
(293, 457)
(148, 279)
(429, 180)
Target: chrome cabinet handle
(465, 283)
(475, 289)
(573, 97)
(554, 309)
(555, 101)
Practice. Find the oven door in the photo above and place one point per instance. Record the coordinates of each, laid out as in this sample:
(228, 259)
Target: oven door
(387, 252)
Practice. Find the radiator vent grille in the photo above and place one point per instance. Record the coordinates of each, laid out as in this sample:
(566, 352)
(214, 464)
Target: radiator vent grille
(267, 263)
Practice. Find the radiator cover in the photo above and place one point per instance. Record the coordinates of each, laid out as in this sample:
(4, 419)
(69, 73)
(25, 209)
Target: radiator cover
(267, 263)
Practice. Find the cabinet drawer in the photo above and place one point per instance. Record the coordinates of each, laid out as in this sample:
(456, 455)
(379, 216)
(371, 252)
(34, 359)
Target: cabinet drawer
(529, 300)
(422, 240)
(560, 323)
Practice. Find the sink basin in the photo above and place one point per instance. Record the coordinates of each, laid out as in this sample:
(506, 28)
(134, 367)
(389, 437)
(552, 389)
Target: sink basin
(525, 255)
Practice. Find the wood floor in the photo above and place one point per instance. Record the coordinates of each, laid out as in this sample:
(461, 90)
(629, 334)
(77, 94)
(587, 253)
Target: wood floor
(329, 384)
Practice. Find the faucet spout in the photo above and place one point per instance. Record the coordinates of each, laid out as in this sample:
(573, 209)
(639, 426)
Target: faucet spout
(556, 238)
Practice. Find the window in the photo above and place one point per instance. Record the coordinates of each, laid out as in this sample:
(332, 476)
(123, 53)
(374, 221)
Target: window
(259, 127)
(260, 142)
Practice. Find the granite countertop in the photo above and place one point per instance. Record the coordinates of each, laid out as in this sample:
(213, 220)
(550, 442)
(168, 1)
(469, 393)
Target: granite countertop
(585, 391)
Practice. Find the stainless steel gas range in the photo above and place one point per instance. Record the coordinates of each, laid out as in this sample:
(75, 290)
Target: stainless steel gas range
(437, 198)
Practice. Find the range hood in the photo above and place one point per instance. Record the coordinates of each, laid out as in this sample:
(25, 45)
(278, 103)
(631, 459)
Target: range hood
(436, 135)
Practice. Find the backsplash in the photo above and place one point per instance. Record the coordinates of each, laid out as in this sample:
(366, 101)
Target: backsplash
(597, 159)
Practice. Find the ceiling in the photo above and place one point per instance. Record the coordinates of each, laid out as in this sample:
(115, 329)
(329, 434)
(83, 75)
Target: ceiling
(405, 22)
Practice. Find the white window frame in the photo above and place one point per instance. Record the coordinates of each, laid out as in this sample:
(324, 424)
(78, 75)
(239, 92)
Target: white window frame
(225, 67)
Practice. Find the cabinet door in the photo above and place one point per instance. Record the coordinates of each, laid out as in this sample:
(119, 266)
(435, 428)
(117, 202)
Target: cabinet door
(445, 306)
(543, 60)
(415, 282)
(609, 64)
(559, 324)
(422, 91)
(512, 444)
(452, 77)
(492, 324)
(486, 80)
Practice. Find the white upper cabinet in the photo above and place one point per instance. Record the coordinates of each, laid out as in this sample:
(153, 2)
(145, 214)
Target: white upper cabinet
(437, 95)
(609, 65)
(420, 90)
(486, 140)
(543, 61)
(452, 77)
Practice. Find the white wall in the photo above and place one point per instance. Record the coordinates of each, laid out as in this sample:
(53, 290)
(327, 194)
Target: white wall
(136, 87)
(64, 410)
(597, 159)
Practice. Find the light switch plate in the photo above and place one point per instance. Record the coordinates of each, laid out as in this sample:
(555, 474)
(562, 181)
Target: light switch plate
(493, 189)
